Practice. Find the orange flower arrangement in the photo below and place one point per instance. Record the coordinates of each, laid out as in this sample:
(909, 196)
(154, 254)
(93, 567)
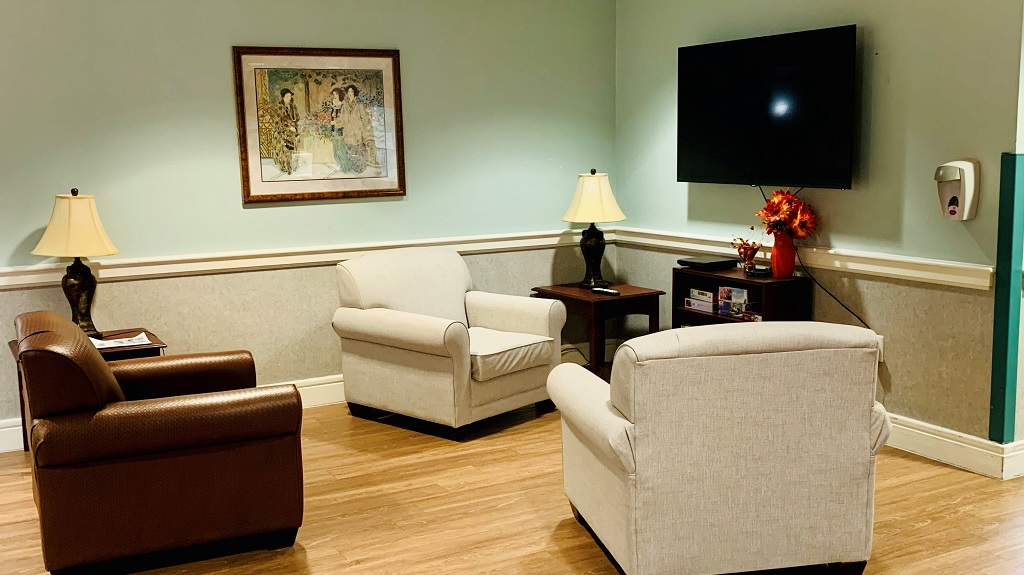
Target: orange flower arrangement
(787, 214)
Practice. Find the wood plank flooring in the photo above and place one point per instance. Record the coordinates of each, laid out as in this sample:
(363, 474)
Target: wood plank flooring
(385, 500)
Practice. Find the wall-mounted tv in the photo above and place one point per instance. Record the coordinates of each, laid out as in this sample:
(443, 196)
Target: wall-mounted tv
(776, 110)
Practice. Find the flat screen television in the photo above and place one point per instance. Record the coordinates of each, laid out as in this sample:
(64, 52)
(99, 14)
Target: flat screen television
(776, 110)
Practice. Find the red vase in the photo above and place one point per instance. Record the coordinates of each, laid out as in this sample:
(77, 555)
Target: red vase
(783, 256)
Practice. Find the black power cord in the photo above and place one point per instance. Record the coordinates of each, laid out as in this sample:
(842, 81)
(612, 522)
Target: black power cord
(825, 289)
(766, 197)
(810, 275)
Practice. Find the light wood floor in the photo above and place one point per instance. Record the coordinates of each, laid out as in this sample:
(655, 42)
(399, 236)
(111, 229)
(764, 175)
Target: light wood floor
(383, 500)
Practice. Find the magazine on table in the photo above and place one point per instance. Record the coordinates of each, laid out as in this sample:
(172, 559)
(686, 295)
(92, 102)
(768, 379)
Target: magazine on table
(140, 339)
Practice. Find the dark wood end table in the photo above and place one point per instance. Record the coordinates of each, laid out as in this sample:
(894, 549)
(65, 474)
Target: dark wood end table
(595, 308)
(776, 299)
(153, 349)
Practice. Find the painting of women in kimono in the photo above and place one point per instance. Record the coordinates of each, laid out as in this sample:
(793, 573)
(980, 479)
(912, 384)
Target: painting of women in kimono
(354, 137)
(319, 126)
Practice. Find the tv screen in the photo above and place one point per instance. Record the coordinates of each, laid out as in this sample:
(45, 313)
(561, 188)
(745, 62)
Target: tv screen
(776, 110)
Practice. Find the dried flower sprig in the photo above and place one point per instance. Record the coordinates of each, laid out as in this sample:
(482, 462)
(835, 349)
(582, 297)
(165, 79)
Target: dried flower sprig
(747, 249)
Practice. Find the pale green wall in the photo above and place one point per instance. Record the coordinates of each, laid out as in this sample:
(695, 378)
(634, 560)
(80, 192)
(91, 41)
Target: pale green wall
(940, 83)
(504, 103)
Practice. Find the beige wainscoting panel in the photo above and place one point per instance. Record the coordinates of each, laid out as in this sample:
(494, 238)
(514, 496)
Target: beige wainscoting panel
(651, 268)
(937, 338)
(282, 316)
(517, 273)
(11, 304)
(938, 345)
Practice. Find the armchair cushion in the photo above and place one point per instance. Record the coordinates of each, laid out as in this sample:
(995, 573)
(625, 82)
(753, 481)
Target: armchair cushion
(186, 374)
(151, 426)
(493, 353)
(585, 404)
(404, 330)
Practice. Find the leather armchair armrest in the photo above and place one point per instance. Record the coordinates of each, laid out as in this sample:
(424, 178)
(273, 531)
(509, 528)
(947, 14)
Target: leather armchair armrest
(404, 330)
(153, 426)
(538, 316)
(188, 374)
(585, 403)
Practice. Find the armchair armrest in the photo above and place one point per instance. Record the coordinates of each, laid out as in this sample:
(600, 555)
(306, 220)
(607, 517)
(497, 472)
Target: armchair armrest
(411, 331)
(585, 402)
(880, 428)
(521, 314)
(172, 375)
(150, 426)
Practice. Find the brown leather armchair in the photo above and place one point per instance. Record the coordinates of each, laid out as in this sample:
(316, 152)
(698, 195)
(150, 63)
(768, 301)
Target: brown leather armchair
(137, 457)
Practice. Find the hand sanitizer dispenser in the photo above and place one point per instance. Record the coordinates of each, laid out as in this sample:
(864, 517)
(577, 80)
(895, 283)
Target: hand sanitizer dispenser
(958, 189)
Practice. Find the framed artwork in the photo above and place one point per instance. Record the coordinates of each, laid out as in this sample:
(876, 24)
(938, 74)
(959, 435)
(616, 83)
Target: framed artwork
(318, 124)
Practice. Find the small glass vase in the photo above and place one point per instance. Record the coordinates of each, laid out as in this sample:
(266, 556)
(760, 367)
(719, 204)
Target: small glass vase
(783, 256)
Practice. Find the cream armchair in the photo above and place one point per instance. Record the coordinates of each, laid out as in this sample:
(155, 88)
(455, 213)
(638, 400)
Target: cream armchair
(727, 448)
(416, 340)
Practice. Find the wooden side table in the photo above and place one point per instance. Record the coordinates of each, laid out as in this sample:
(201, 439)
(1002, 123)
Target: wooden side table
(155, 348)
(595, 308)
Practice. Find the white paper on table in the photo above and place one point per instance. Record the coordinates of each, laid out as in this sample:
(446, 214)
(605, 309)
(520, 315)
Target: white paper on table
(140, 339)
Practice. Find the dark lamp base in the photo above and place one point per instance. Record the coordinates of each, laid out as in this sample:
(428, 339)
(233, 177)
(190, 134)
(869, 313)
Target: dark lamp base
(592, 246)
(79, 287)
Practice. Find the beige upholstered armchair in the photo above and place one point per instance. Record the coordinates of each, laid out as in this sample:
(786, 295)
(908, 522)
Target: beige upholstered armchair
(416, 340)
(726, 449)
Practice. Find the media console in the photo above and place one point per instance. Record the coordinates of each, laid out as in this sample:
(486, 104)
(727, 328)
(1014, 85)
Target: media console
(773, 299)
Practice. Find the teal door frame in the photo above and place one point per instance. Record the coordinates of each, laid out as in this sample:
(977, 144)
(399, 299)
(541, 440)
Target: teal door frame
(1006, 318)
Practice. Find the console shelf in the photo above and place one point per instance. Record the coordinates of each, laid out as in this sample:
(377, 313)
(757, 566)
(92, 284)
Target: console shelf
(778, 299)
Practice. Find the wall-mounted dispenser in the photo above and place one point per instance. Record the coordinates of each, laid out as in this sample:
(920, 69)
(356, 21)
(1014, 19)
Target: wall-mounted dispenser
(958, 183)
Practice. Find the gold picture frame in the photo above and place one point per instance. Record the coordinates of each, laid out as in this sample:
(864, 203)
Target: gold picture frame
(318, 123)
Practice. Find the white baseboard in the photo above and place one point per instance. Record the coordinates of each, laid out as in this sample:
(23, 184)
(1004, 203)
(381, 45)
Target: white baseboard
(10, 434)
(1013, 464)
(315, 392)
(988, 458)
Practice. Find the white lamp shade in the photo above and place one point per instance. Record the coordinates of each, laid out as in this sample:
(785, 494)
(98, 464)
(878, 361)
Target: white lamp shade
(593, 202)
(75, 230)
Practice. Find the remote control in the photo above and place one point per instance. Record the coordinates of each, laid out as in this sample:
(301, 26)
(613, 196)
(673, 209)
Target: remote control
(604, 291)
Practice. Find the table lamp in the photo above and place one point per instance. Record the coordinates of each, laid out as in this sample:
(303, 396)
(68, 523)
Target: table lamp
(75, 231)
(593, 202)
